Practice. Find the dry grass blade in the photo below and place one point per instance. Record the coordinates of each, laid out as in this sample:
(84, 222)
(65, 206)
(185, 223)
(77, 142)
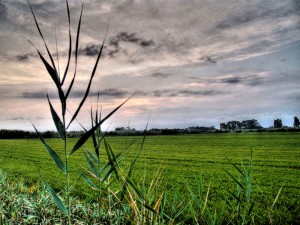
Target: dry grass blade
(277, 196)
(206, 200)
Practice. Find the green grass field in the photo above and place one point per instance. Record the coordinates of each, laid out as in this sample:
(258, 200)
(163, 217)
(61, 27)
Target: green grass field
(276, 164)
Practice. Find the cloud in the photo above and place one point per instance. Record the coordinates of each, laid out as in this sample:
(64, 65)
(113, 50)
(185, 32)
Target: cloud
(89, 50)
(160, 75)
(35, 95)
(207, 60)
(257, 12)
(3, 11)
(114, 47)
(16, 118)
(186, 93)
(23, 57)
(251, 80)
(122, 93)
(111, 92)
(131, 38)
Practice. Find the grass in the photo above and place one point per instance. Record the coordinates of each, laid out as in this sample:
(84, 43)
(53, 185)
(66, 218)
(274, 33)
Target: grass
(180, 159)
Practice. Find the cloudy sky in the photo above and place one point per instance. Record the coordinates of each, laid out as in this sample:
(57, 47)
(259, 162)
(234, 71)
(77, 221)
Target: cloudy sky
(189, 62)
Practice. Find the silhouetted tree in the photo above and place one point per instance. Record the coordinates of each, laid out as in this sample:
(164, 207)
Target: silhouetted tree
(277, 123)
(296, 122)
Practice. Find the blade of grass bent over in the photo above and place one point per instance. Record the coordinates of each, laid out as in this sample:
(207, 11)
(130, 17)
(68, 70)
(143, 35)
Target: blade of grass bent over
(49, 54)
(49, 68)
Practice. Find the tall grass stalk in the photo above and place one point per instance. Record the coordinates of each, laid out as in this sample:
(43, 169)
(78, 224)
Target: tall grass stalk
(60, 121)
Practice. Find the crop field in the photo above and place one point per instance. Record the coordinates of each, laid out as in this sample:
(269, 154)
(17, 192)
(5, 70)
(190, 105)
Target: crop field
(178, 160)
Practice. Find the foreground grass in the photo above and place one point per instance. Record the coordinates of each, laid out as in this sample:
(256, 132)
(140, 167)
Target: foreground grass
(276, 164)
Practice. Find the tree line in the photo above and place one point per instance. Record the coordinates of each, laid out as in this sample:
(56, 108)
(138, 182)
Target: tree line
(231, 126)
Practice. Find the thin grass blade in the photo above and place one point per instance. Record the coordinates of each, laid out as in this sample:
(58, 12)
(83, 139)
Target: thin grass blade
(91, 79)
(92, 166)
(49, 54)
(277, 196)
(77, 180)
(251, 208)
(49, 68)
(76, 52)
(70, 45)
(140, 150)
(93, 157)
(235, 180)
(58, 202)
(206, 200)
(59, 125)
(111, 158)
(237, 168)
(59, 163)
(119, 154)
(89, 182)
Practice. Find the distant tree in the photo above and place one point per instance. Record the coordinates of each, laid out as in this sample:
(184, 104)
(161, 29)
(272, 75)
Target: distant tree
(233, 125)
(277, 123)
(223, 126)
(296, 122)
(250, 124)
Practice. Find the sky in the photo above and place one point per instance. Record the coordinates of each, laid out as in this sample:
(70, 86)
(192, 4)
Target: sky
(189, 62)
